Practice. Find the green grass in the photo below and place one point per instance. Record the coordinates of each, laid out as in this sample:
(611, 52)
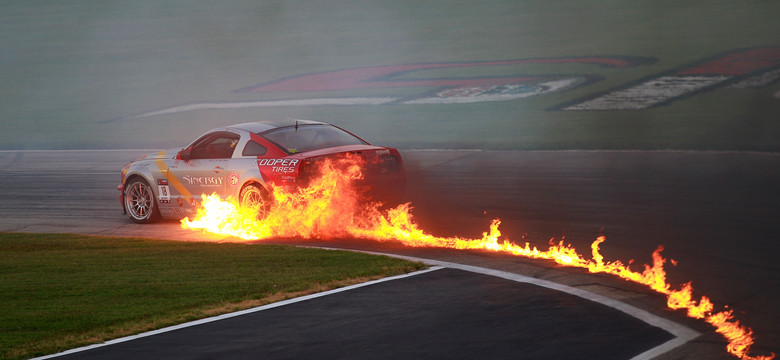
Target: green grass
(60, 291)
(69, 66)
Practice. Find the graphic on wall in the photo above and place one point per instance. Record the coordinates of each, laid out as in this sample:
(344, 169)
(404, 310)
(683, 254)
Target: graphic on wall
(742, 68)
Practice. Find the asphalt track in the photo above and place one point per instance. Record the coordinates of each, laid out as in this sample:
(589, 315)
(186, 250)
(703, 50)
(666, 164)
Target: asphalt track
(714, 212)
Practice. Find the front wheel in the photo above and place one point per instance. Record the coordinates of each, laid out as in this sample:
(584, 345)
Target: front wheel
(139, 202)
(255, 197)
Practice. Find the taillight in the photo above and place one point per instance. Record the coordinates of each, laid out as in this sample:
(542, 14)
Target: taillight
(389, 164)
(306, 171)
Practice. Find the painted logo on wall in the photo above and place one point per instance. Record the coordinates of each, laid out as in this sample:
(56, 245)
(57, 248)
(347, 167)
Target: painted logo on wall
(742, 68)
(460, 89)
(745, 68)
(752, 67)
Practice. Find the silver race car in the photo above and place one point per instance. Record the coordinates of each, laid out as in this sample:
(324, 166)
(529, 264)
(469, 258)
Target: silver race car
(245, 161)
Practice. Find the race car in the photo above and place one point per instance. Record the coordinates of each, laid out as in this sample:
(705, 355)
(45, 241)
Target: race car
(245, 161)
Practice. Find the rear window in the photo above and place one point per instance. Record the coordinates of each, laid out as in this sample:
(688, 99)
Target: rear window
(253, 149)
(311, 137)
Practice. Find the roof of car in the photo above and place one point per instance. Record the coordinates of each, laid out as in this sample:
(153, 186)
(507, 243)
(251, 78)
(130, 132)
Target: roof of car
(261, 126)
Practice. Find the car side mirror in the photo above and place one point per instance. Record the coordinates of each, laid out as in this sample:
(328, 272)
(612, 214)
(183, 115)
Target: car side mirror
(184, 154)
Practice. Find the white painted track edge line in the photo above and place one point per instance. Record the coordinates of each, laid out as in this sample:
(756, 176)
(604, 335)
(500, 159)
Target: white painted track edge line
(235, 314)
(682, 334)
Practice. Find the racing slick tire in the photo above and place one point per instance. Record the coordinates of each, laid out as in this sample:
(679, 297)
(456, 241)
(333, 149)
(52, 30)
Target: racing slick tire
(140, 203)
(256, 197)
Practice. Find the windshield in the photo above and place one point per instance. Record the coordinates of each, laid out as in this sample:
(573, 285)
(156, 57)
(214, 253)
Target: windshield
(311, 137)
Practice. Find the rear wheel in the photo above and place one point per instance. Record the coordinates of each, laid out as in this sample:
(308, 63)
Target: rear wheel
(255, 197)
(139, 202)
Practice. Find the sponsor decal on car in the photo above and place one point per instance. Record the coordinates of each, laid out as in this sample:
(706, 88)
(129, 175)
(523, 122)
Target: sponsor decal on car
(163, 192)
(274, 162)
(183, 210)
(233, 179)
(284, 166)
(203, 180)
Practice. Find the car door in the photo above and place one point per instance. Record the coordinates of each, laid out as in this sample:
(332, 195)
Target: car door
(205, 170)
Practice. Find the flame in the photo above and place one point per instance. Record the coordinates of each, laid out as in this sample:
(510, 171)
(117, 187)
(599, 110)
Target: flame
(331, 207)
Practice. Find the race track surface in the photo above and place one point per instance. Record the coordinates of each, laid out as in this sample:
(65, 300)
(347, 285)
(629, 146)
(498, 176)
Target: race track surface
(714, 212)
(444, 314)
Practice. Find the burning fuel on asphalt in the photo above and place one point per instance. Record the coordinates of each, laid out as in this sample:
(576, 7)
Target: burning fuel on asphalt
(330, 207)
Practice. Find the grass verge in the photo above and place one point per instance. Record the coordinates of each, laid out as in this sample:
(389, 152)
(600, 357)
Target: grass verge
(61, 291)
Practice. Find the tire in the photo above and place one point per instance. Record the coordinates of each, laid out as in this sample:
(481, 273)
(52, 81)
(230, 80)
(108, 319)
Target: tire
(140, 203)
(256, 197)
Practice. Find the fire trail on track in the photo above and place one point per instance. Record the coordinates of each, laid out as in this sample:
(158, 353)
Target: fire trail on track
(332, 207)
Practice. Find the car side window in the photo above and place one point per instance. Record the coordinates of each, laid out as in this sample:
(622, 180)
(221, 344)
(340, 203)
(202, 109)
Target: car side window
(215, 146)
(311, 137)
(252, 148)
